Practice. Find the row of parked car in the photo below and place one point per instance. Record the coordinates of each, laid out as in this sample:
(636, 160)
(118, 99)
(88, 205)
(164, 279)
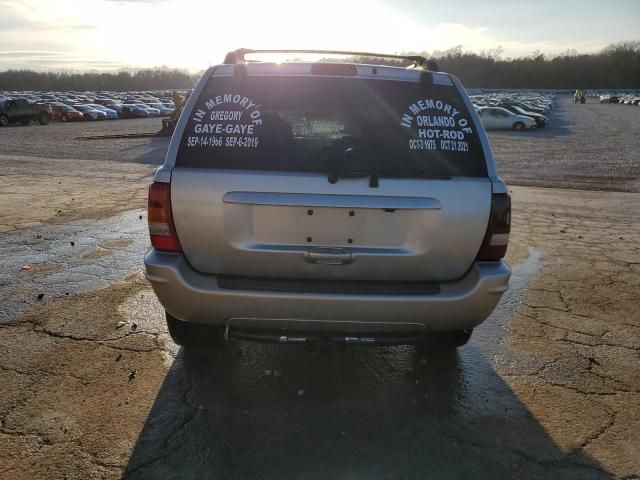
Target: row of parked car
(97, 111)
(77, 106)
(515, 111)
(625, 98)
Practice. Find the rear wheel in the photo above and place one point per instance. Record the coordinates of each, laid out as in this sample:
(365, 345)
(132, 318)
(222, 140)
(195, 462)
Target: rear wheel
(446, 340)
(44, 118)
(64, 118)
(4, 120)
(462, 337)
(518, 126)
(195, 335)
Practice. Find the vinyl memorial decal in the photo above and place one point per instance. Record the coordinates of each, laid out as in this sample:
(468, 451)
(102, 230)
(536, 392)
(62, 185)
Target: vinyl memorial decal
(226, 121)
(437, 126)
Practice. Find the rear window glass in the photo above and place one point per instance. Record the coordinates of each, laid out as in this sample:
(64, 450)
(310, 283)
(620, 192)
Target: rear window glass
(331, 124)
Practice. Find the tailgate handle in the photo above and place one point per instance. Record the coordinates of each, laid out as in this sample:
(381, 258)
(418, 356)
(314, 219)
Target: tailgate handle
(329, 256)
(307, 200)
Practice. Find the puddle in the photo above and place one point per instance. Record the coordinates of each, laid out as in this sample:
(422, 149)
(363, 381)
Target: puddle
(488, 338)
(103, 252)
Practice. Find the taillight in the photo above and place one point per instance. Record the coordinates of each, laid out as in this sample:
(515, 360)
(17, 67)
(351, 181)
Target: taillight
(496, 240)
(161, 228)
(334, 69)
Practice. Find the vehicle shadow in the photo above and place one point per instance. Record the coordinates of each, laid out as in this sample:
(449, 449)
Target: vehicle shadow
(278, 411)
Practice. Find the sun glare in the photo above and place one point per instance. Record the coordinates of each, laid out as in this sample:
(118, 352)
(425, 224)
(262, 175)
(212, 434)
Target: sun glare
(193, 34)
(168, 33)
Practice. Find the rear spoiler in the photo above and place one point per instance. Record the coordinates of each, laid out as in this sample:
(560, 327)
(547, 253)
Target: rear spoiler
(237, 56)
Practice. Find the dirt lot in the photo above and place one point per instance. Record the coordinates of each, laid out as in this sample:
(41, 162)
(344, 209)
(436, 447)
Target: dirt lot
(593, 146)
(92, 387)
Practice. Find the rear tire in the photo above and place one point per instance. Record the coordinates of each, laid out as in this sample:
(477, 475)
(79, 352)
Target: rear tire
(195, 335)
(462, 337)
(44, 118)
(448, 340)
(518, 126)
(4, 120)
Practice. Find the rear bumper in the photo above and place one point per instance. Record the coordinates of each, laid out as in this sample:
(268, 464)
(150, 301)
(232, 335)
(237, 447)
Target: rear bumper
(192, 296)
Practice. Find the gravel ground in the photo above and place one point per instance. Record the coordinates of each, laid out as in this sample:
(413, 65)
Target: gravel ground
(93, 387)
(62, 141)
(595, 146)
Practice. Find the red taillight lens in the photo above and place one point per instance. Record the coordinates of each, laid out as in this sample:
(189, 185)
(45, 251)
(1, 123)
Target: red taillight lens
(161, 228)
(496, 240)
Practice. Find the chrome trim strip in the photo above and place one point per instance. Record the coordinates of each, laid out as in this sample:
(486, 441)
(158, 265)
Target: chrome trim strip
(332, 201)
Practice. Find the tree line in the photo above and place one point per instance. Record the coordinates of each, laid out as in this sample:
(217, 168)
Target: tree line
(148, 79)
(617, 67)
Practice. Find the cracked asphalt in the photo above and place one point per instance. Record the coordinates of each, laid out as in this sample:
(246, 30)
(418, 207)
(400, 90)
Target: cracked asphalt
(93, 387)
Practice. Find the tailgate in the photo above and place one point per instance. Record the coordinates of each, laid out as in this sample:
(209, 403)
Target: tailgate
(300, 226)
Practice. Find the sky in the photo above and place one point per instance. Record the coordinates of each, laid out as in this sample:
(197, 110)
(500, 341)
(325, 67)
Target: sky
(108, 35)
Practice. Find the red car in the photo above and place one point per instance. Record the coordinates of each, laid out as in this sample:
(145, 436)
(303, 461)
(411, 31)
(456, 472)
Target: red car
(65, 113)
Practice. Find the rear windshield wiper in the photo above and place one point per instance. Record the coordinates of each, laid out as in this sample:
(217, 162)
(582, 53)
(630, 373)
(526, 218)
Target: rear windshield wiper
(343, 168)
(374, 179)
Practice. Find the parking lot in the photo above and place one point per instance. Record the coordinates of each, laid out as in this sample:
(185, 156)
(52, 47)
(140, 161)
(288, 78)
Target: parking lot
(93, 387)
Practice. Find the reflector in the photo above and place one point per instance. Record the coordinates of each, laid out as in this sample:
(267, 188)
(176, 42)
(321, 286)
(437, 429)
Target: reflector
(496, 240)
(162, 231)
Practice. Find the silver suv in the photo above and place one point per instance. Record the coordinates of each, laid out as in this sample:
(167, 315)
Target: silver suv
(350, 202)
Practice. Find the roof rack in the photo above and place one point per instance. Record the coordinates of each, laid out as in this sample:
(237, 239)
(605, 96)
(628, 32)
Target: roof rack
(237, 56)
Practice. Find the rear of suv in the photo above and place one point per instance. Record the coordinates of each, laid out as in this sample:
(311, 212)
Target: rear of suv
(308, 200)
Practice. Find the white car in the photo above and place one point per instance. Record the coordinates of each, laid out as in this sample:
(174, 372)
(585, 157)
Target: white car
(163, 109)
(496, 118)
